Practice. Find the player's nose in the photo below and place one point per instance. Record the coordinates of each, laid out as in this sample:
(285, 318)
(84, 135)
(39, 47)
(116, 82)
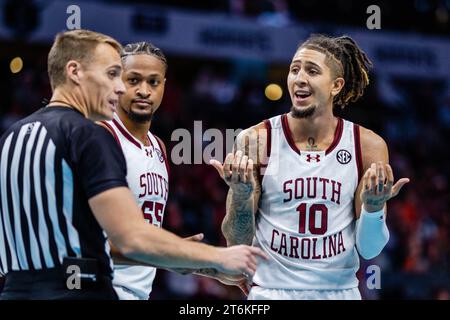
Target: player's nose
(144, 91)
(301, 78)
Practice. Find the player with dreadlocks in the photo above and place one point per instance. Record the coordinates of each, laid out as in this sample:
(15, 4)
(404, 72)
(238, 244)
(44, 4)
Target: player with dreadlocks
(310, 188)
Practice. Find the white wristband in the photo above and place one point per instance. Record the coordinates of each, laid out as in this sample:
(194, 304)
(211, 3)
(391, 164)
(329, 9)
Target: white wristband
(372, 233)
(372, 215)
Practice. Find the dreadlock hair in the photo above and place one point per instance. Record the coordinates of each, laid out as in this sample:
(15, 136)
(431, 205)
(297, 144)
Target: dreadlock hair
(347, 60)
(144, 48)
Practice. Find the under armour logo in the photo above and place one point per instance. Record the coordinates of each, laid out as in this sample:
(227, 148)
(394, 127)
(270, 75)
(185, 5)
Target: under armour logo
(160, 155)
(315, 158)
(149, 152)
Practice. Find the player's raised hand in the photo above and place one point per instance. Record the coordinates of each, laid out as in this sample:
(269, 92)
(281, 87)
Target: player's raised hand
(237, 172)
(379, 187)
(239, 260)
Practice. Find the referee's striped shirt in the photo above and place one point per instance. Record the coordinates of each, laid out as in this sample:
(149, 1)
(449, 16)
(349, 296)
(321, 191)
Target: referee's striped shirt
(51, 163)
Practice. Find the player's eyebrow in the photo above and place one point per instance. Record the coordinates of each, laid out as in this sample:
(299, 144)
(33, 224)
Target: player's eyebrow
(134, 73)
(307, 62)
(138, 74)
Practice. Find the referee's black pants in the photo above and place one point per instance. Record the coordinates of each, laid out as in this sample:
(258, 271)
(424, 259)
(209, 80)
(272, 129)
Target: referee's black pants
(51, 284)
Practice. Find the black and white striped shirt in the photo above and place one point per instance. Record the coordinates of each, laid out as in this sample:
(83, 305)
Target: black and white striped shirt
(51, 163)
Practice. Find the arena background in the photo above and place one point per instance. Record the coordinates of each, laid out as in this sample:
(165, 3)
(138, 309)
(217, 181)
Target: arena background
(222, 54)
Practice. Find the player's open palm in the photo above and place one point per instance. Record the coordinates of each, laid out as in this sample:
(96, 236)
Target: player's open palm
(237, 172)
(378, 186)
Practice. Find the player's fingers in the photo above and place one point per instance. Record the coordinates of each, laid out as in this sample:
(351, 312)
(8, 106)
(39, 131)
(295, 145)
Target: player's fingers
(240, 142)
(252, 145)
(366, 182)
(217, 165)
(243, 169)
(380, 177)
(365, 185)
(249, 172)
(235, 166)
(246, 145)
(389, 178)
(398, 186)
(373, 178)
(227, 166)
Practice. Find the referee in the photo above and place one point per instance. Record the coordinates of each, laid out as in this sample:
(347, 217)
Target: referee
(63, 189)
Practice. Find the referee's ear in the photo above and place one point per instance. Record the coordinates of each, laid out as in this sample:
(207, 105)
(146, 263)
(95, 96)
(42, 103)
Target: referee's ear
(74, 72)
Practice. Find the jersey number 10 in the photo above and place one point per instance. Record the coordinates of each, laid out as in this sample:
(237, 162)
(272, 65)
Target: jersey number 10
(314, 210)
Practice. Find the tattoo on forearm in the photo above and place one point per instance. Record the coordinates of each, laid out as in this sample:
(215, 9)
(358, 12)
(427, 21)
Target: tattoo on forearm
(239, 223)
(375, 203)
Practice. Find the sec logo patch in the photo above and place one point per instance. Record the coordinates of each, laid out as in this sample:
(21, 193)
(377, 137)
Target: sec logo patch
(343, 156)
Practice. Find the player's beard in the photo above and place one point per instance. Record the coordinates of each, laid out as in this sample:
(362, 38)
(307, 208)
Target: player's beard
(139, 117)
(303, 113)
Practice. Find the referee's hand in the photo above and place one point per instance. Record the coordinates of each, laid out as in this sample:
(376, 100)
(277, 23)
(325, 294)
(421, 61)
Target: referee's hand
(239, 260)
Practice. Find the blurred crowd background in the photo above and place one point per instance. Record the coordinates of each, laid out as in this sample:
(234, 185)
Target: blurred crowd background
(411, 113)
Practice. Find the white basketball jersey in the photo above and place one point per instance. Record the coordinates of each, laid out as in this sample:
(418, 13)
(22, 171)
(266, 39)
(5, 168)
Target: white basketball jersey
(306, 219)
(148, 179)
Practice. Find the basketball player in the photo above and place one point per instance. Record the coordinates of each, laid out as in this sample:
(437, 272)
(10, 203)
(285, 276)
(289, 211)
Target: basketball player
(309, 188)
(144, 74)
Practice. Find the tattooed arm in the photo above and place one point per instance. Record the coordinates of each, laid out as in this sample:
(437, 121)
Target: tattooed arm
(238, 226)
(240, 172)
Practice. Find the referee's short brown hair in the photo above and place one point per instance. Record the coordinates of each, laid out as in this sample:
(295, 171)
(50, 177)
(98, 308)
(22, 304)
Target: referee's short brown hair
(76, 45)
